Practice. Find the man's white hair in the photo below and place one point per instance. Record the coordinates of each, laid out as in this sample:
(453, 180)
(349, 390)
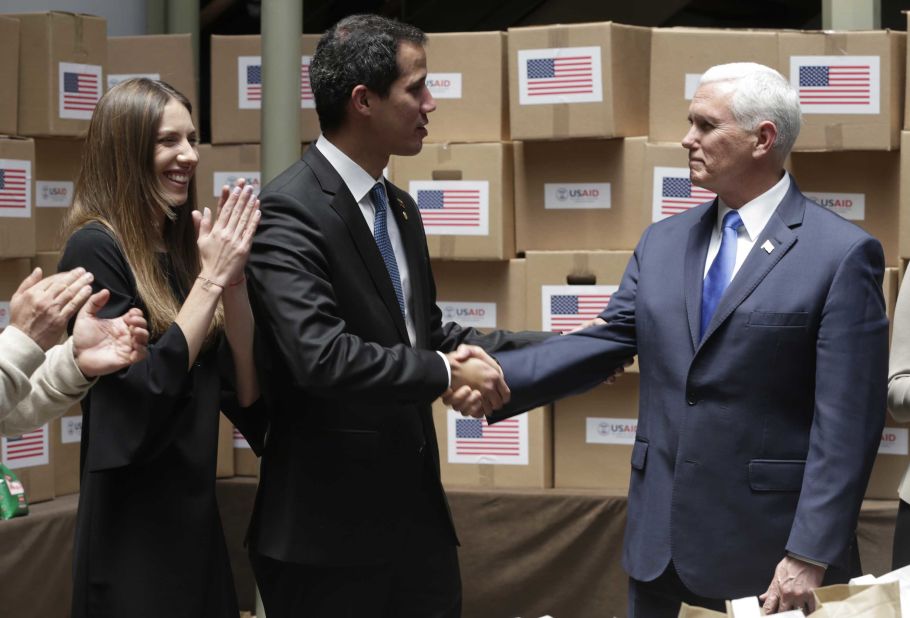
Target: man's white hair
(759, 93)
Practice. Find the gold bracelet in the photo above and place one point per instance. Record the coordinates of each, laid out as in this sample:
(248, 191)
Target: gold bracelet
(209, 281)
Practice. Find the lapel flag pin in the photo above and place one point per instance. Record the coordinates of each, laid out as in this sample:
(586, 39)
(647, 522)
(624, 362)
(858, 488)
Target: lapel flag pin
(403, 211)
(768, 246)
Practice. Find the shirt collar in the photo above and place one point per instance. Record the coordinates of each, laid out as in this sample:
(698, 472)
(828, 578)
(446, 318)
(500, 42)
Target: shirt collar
(755, 214)
(357, 180)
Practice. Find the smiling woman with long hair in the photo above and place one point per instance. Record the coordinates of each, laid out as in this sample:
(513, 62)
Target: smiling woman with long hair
(148, 535)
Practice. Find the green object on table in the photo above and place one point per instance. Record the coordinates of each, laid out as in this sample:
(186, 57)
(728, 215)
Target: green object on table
(13, 502)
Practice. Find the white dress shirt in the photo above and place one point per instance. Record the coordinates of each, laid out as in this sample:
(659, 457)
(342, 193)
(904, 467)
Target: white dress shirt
(359, 183)
(755, 216)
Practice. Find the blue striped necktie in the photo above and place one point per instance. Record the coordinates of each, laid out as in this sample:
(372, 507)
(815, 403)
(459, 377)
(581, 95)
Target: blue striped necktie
(383, 242)
(721, 271)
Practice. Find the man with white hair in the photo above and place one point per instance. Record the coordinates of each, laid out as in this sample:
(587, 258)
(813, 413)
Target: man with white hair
(760, 328)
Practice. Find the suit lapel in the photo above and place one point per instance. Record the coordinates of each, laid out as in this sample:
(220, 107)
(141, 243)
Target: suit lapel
(343, 203)
(407, 219)
(696, 253)
(779, 238)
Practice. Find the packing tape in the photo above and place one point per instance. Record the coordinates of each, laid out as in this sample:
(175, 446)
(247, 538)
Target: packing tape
(835, 43)
(581, 271)
(447, 247)
(834, 137)
(486, 475)
(79, 36)
(559, 37)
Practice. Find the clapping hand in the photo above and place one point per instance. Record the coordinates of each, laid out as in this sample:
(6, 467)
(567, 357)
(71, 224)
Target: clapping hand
(225, 239)
(103, 346)
(478, 387)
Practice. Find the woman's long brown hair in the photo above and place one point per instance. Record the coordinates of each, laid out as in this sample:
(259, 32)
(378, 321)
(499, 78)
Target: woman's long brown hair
(118, 188)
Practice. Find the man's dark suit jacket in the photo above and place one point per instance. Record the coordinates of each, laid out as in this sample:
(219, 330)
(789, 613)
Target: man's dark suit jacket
(349, 399)
(759, 438)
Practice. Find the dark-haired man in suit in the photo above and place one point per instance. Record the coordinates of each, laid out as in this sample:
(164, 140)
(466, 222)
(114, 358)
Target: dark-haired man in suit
(351, 518)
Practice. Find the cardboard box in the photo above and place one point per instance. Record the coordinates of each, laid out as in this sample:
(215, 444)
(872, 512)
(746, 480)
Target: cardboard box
(904, 209)
(61, 72)
(30, 456)
(221, 165)
(465, 195)
(891, 283)
(579, 195)
(245, 461)
(579, 80)
(57, 163)
(679, 56)
(875, 64)
(237, 89)
(9, 76)
(483, 295)
(593, 434)
(165, 57)
(667, 189)
(863, 187)
(225, 463)
(66, 436)
(517, 452)
(467, 77)
(17, 219)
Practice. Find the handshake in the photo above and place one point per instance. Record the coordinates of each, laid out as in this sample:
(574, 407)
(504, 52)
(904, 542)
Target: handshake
(478, 387)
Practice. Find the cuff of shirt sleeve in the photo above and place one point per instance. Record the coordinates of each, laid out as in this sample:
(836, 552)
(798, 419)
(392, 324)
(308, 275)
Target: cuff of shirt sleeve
(448, 368)
(808, 560)
(70, 372)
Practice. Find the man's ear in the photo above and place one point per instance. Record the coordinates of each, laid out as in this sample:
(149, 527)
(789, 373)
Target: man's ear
(360, 100)
(766, 137)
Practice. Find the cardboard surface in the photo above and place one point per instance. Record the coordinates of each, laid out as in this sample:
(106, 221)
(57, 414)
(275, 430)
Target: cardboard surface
(165, 57)
(17, 198)
(219, 165)
(678, 58)
(236, 114)
(473, 217)
(484, 295)
(863, 187)
(904, 209)
(593, 434)
(57, 163)
(467, 77)
(596, 87)
(579, 195)
(225, 462)
(853, 126)
(529, 434)
(66, 435)
(9, 75)
(53, 45)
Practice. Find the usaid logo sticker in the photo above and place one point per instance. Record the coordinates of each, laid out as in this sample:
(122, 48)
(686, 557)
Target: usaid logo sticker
(478, 315)
(113, 80)
(53, 194)
(4, 315)
(850, 206)
(610, 430)
(230, 179)
(70, 429)
(894, 441)
(692, 80)
(444, 85)
(576, 195)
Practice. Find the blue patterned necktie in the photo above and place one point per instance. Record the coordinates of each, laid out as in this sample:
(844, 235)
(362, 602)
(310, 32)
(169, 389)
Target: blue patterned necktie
(721, 271)
(381, 234)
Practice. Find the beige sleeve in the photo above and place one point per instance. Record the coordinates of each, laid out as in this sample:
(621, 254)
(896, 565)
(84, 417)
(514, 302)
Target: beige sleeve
(899, 364)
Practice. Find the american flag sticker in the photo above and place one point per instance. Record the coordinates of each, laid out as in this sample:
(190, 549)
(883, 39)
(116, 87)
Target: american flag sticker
(453, 207)
(249, 83)
(239, 440)
(564, 307)
(837, 84)
(15, 188)
(559, 75)
(29, 449)
(473, 441)
(674, 193)
(80, 89)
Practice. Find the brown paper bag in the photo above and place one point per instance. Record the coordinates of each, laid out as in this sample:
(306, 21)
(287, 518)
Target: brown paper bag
(688, 611)
(858, 601)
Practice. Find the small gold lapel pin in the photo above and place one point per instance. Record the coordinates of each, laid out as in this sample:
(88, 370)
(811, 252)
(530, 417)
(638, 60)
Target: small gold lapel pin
(768, 246)
(403, 211)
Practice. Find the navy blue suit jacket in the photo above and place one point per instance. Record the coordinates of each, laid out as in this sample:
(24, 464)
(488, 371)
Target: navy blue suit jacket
(759, 438)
